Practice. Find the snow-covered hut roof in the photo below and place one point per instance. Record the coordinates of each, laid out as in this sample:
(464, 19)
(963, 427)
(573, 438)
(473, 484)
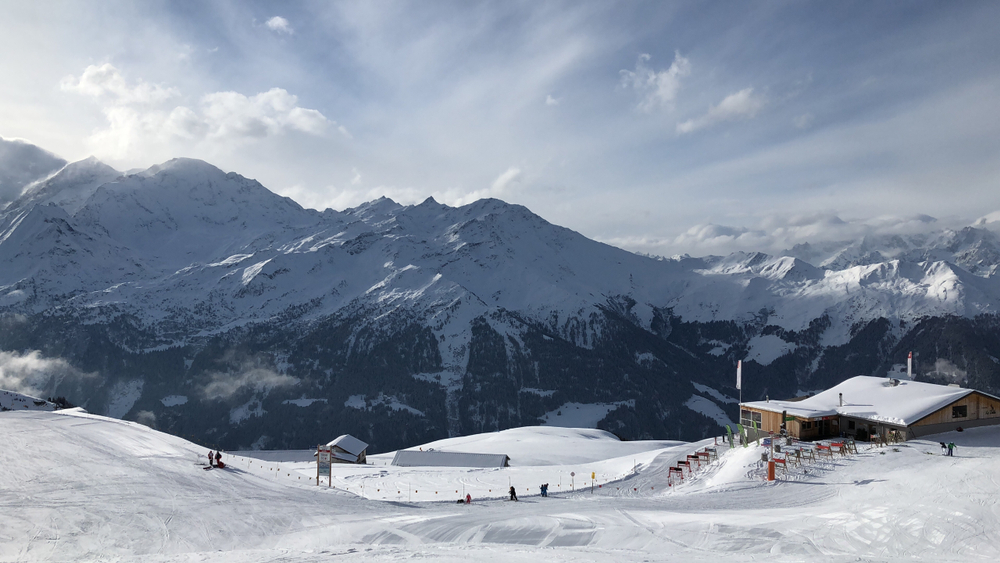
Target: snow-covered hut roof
(871, 398)
(417, 458)
(349, 444)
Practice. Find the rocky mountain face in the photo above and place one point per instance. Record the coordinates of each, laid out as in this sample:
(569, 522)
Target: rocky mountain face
(201, 303)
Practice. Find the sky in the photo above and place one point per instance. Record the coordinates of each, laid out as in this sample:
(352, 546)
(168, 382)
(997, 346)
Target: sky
(658, 127)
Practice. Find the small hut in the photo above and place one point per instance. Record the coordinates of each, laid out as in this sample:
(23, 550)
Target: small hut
(348, 449)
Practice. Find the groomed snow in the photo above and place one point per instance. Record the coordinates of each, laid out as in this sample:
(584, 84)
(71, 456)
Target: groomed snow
(76, 487)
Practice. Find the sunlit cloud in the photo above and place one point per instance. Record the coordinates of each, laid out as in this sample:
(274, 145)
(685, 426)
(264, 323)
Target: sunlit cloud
(657, 88)
(279, 24)
(740, 105)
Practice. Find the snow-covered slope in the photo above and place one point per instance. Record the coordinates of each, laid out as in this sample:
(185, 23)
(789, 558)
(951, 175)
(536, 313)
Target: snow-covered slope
(83, 487)
(12, 400)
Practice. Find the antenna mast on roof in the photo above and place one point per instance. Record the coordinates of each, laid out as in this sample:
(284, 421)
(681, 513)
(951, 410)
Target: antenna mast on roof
(909, 367)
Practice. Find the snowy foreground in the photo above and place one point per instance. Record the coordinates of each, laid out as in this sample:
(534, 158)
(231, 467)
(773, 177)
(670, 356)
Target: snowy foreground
(83, 487)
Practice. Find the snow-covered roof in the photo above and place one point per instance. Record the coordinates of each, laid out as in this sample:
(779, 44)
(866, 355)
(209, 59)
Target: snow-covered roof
(417, 458)
(349, 444)
(872, 398)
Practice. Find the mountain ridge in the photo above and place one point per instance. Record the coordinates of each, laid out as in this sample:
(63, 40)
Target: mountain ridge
(184, 280)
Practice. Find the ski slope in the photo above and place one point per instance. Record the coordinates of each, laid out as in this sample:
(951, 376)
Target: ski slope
(83, 487)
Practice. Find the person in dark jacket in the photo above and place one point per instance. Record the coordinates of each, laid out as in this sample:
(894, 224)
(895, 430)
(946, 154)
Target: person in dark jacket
(218, 456)
(513, 493)
(545, 489)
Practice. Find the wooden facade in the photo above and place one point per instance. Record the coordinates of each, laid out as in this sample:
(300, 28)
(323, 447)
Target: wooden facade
(975, 409)
(803, 428)
(972, 407)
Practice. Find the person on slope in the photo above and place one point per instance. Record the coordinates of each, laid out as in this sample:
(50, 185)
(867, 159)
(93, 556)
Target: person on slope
(513, 493)
(951, 448)
(468, 499)
(545, 489)
(211, 458)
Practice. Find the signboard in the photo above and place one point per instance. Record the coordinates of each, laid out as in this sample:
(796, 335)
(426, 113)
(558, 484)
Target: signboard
(323, 463)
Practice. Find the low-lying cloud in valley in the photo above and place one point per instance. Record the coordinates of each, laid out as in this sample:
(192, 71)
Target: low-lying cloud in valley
(35, 375)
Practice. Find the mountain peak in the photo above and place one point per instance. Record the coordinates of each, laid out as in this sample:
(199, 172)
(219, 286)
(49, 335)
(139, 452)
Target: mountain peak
(22, 163)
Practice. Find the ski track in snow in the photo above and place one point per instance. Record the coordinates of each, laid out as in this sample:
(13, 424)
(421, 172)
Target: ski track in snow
(87, 487)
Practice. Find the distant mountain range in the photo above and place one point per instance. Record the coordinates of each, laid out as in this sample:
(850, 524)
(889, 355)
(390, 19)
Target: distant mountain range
(201, 303)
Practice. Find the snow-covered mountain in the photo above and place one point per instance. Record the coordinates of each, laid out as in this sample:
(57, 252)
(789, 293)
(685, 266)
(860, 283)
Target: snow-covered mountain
(208, 305)
(22, 163)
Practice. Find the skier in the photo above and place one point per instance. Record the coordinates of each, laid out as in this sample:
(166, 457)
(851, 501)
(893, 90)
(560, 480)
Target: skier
(513, 493)
(944, 448)
(951, 447)
(545, 489)
(468, 499)
(218, 460)
(211, 458)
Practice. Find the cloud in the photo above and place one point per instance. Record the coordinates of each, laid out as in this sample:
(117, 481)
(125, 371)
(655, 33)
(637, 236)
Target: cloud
(947, 370)
(224, 385)
(550, 101)
(803, 121)
(741, 105)
(279, 24)
(147, 418)
(232, 115)
(511, 175)
(106, 81)
(658, 88)
(500, 188)
(32, 374)
(776, 234)
(139, 117)
(343, 131)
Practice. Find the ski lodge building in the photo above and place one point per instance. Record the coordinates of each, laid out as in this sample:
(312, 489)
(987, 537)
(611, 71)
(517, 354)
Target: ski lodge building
(348, 449)
(864, 406)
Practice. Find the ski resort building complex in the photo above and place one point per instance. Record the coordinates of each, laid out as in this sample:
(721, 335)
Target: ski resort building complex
(864, 406)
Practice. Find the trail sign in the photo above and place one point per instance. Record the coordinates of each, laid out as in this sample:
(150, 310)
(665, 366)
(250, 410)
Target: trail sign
(324, 457)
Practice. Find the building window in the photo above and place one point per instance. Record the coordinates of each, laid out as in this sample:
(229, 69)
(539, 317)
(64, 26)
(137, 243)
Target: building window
(959, 412)
(806, 425)
(850, 425)
(747, 418)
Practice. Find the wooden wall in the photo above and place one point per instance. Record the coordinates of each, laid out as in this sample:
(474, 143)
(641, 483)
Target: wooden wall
(978, 406)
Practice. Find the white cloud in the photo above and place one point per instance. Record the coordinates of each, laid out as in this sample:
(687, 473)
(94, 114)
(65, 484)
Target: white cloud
(107, 82)
(775, 233)
(740, 105)
(509, 176)
(223, 385)
(232, 115)
(550, 101)
(32, 374)
(343, 131)
(139, 119)
(803, 121)
(279, 24)
(658, 88)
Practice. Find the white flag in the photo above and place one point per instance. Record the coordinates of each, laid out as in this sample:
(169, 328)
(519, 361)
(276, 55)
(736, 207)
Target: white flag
(739, 374)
